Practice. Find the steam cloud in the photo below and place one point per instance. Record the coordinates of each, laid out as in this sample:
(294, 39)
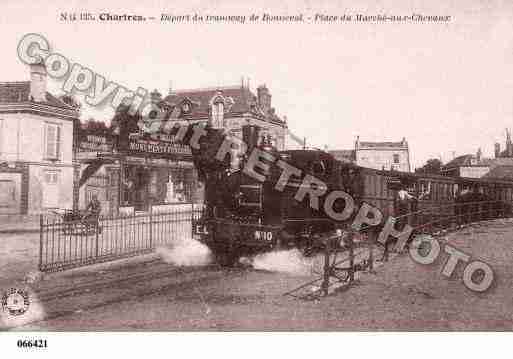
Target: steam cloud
(187, 252)
(288, 261)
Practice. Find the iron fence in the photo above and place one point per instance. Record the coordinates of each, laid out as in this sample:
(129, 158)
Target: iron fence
(435, 218)
(66, 244)
(344, 256)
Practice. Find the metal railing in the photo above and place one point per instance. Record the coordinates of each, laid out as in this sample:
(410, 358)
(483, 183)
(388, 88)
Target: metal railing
(343, 257)
(432, 219)
(66, 244)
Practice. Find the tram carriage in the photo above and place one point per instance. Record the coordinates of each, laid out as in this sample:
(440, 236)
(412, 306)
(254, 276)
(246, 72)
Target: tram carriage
(244, 216)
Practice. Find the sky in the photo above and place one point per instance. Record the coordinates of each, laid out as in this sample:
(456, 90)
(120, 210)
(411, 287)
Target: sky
(446, 87)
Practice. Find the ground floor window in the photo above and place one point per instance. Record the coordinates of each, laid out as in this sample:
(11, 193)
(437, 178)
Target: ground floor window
(144, 186)
(9, 197)
(51, 189)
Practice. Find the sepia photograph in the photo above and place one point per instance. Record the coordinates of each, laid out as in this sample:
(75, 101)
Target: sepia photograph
(255, 166)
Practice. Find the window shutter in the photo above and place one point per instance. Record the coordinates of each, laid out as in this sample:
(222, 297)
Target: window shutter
(58, 142)
(45, 140)
(51, 141)
(52, 138)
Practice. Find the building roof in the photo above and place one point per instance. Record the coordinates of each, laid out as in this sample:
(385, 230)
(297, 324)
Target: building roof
(501, 161)
(500, 172)
(343, 154)
(463, 160)
(242, 99)
(471, 160)
(19, 92)
(380, 144)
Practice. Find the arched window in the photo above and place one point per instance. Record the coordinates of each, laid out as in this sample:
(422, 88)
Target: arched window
(218, 114)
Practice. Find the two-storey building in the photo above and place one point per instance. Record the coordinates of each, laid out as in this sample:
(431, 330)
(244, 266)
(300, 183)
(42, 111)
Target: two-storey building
(379, 155)
(36, 144)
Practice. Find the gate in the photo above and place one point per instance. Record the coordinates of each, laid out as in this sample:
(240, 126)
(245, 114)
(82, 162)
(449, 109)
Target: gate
(66, 244)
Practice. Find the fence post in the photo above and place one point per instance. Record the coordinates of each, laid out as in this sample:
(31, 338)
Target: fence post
(192, 220)
(350, 241)
(97, 230)
(40, 241)
(151, 227)
(371, 238)
(327, 271)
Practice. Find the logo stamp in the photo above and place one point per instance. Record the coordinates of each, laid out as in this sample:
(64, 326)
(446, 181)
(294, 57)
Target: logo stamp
(15, 301)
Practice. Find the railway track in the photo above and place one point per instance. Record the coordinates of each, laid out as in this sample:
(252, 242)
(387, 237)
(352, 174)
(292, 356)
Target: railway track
(158, 278)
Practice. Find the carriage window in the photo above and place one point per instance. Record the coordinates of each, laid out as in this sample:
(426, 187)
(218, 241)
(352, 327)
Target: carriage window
(251, 196)
(319, 168)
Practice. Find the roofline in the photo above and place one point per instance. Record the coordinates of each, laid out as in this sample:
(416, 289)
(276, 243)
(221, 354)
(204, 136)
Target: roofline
(39, 109)
(391, 148)
(214, 88)
(64, 104)
(14, 82)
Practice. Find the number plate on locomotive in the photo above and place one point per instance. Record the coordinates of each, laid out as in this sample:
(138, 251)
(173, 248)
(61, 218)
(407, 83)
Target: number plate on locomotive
(264, 235)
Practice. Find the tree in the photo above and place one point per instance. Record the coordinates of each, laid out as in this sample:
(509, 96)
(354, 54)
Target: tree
(96, 127)
(432, 166)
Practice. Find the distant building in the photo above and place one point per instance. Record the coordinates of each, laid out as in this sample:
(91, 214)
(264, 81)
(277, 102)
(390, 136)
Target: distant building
(379, 155)
(36, 143)
(346, 156)
(503, 172)
(131, 170)
(231, 107)
(476, 166)
(472, 166)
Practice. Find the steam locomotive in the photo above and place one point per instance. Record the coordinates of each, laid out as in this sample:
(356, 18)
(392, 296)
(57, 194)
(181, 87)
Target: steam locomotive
(246, 213)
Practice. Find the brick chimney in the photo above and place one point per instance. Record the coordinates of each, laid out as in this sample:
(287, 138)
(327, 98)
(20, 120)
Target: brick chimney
(38, 82)
(478, 155)
(264, 98)
(497, 148)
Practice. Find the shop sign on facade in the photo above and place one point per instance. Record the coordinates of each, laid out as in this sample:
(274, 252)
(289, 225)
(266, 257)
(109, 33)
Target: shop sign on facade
(95, 143)
(140, 145)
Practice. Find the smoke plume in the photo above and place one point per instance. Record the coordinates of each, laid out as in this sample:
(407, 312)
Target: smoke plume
(187, 252)
(288, 261)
